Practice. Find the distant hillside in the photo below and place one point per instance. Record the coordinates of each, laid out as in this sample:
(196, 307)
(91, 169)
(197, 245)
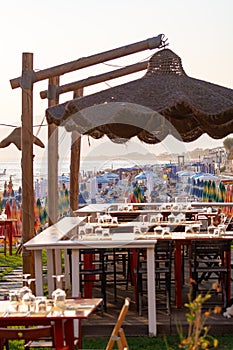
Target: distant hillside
(195, 154)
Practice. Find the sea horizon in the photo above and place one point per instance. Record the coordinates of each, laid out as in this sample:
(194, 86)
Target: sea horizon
(90, 167)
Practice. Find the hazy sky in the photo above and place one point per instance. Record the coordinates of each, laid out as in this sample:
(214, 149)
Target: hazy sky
(56, 32)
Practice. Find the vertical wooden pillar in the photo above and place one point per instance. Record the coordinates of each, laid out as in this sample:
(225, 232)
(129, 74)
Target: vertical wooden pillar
(75, 163)
(27, 160)
(53, 99)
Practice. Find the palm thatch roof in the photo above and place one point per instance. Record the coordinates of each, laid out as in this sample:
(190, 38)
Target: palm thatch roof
(164, 101)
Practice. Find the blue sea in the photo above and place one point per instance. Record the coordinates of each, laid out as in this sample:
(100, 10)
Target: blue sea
(13, 169)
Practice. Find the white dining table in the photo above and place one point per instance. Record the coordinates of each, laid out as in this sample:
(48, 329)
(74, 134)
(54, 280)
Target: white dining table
(52, 239)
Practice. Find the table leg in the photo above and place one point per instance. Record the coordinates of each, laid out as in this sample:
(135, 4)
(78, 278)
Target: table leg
(88, 265)
(229, 273)
(38, 272)
(59, 334)
(151, 292)
(75, 273)
(10, 232)
(69, 334)
(178, 273)
(133, 269)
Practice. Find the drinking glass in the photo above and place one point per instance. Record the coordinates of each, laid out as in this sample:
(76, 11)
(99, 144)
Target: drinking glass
(14, 299)
(59, 295)
(29, 300)
(41, 304)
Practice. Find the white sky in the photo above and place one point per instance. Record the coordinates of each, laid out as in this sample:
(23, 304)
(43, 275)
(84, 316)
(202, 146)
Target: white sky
(57, 31)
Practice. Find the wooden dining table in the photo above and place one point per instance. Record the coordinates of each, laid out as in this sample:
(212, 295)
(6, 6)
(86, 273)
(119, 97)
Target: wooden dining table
(7, 224)
(186, 240)
(75, 309)
(51, 239)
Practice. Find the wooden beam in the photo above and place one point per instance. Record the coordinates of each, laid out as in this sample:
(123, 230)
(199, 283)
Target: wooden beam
(75, 160)
(83, 62)
(98, 79)
(28, 231)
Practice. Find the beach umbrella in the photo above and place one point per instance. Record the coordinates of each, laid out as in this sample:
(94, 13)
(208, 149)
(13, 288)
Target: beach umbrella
(165, 101)
(221, 193)
(8, 209)
(36, 217)
(102, 180)
(141, 176)
(136, 196)
(43, 217)
(112, 176)
(212, 192)
(205, 193)
(40, 209)
(228, 199)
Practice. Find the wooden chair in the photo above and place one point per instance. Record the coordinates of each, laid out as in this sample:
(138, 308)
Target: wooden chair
(118, 335)
(209, 261)
(163, 271)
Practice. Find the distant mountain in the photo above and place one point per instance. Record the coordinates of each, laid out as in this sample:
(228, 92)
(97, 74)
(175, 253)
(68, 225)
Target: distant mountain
(166, 156)
(132, 155)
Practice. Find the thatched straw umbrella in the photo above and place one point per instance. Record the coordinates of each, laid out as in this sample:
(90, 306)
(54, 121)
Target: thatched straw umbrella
(164, 101)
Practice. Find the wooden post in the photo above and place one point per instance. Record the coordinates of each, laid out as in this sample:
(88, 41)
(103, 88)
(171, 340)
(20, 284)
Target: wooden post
(75, 159)
(53, 99)
(27, 160)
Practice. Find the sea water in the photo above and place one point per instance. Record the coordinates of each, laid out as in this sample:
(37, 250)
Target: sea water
(40, 171)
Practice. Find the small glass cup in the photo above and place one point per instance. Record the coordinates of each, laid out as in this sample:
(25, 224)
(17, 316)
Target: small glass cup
(59, 298)
(158, 230)
(15, 301)
(41, 304)
(210, 230)
(29, 300)
(105, 232)
(222, 229)
(144, 228)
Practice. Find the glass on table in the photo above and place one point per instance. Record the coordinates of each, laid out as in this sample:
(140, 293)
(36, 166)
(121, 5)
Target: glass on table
(210, 230)
(99, 230)
(114, 220)
(15, 300)
(144, 227)
(171, 218)
(211, 227)
(41, 304)
(158, 230)
(106, 232)
(159, 217)
(59, 295)
(196, 228)
(136, 230)
(29, 300)
(222, 229)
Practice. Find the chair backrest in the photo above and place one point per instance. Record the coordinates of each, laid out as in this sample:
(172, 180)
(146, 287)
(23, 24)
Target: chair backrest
(26, 334)
(210, 249)
(118, 333)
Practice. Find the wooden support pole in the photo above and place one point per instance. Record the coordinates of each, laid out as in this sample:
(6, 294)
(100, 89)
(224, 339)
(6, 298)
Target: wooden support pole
(75, 163)
(61, 69)
(53, 99)
(27, 160)
(98, 78)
